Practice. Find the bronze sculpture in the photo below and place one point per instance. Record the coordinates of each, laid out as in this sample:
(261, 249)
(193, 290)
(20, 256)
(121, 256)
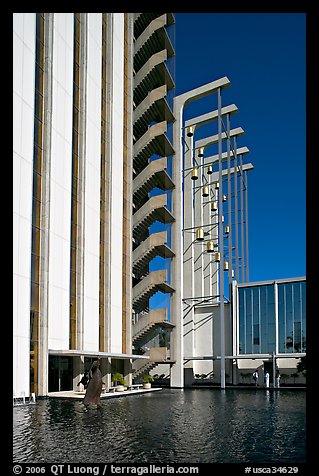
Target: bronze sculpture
(94, 388)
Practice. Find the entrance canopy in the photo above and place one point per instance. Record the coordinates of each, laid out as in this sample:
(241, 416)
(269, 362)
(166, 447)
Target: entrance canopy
(90, 353)
(290, 355)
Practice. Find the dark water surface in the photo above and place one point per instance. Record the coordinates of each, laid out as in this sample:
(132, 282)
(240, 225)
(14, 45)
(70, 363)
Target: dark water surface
(169, 426)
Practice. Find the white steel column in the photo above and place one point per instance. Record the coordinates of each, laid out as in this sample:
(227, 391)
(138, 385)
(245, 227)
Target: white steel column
(177, 370)
(229, 207)
(242, 236)
(221, 247)
(188, 251)
(177, 350)
(246, 218)
(236, 211)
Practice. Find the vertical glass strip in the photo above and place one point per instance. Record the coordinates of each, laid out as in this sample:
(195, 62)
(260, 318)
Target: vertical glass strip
(102, 191)
(36, 203)
(303, 314)
(75, 182)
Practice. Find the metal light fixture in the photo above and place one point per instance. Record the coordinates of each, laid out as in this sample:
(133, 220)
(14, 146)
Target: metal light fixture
(217, 257)
(227, 229)
(209, 170)
(224, 198)
(213, 206)
(205, 192)
(232, 273)
(194, 175)
(201, 152)
(190, 131)
(200, 234)
(210, 246)
(223, 218)
(226, 266)
(217, 185)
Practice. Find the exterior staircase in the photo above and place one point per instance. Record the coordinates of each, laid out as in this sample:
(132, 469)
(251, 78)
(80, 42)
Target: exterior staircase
(149, 285)
(157, 355)
(153, 141)
(153, 74)
(154, 209)
(152, 149)
(147, 324)
(154, 175)
(153, 108)
(154, 245)
(152, 40)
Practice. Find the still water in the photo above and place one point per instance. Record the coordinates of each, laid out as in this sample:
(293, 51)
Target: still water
(168, 426)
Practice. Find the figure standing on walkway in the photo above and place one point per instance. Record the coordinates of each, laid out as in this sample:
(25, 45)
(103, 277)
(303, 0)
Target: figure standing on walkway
(94, 388)
(255, 377)
(266, 379)
(277, 379)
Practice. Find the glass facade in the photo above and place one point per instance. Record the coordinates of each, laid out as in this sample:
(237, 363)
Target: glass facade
(292, 317)
(257, 315)
(256, 319)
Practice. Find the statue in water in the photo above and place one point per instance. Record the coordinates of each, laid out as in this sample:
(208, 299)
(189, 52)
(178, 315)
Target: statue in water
(94, 388)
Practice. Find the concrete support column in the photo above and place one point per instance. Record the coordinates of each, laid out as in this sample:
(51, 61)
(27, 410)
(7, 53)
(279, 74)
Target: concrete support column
(234, 373)
(104, 370)
(78, 372)
(108, 373)
(128, 371)
(273, 370)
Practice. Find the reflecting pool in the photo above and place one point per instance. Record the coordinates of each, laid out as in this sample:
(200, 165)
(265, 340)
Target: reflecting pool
(171, 426)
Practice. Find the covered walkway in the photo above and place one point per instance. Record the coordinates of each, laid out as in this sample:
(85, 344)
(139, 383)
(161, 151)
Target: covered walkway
(104, 395)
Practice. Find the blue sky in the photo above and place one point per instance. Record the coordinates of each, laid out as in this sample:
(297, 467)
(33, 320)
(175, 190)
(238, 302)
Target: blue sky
(263, 55)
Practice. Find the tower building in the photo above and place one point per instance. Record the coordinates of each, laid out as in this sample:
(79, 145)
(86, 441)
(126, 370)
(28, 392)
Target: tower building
(90, 145)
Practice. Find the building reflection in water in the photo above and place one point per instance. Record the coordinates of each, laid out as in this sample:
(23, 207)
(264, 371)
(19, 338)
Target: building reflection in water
(195, 426)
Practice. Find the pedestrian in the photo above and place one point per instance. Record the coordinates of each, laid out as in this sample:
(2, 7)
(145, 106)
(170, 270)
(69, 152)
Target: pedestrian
(94, 388)
(255, 377)
(277, 379)
(266, 379)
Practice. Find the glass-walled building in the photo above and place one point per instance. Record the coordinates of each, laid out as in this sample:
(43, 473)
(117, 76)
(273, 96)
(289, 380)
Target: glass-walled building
(257, 332)
(292, 316)
(272, 317)
(270, 325)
